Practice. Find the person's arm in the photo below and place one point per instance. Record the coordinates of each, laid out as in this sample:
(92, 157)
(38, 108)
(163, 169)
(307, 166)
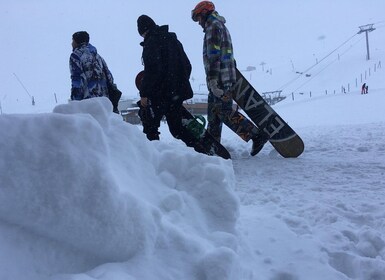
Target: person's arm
(153, 69)
(76, 79)
(213, 47)
(107, 72)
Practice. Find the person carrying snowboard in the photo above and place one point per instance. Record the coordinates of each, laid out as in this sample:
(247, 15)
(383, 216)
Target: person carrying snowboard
(165, 83)
(219, 63)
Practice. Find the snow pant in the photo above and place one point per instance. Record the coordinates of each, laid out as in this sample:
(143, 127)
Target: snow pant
(220, 111)
(152, 115)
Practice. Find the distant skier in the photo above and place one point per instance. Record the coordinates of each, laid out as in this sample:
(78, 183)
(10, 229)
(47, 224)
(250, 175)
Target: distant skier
(220, 71)
(364, 88)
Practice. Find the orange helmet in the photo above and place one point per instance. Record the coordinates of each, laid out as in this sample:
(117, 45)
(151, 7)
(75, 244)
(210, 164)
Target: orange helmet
(203, 8)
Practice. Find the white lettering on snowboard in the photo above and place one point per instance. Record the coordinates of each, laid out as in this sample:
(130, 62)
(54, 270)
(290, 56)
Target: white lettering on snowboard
(275, 129)
(252, 103)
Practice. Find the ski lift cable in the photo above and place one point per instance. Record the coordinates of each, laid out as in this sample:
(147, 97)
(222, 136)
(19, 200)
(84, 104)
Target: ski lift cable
(312, 66)
(333, 51)
(316, 74)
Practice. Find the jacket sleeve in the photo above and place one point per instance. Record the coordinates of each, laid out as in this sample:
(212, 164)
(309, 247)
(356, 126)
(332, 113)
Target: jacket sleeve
(107, 72)
(153, 69)
(76, 78)
(213, 49)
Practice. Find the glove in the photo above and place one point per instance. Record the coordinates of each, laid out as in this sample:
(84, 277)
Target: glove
(76, 94)
(227, 94)
(213, 86)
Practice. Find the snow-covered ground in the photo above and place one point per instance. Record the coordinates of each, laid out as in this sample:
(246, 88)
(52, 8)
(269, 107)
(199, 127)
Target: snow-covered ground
(85, 196)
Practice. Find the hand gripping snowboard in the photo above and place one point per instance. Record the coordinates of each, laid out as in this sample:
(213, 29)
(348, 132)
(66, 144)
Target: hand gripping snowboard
(283, 138)
(195, 126)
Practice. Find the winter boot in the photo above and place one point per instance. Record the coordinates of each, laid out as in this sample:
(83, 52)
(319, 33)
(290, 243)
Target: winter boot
(258, 142)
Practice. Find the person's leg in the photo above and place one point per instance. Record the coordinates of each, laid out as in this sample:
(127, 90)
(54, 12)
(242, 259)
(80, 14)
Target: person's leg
(174, 116)
(237, 122)
(243, 127)
(214, 122)
(150, 117)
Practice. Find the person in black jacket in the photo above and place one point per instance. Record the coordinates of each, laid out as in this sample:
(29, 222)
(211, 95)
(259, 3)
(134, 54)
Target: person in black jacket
(165, 84)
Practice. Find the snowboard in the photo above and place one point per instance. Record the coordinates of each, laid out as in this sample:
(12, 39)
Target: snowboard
(282, 137)
(195, 126)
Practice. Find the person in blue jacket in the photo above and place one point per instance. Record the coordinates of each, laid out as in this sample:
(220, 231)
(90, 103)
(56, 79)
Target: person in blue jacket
(90, 76)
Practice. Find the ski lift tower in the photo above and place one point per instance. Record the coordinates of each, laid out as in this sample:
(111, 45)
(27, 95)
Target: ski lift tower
(366, 28)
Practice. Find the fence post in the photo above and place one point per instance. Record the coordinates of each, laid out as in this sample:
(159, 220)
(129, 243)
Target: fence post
(310, 94)
(292, 95)
(326, 91)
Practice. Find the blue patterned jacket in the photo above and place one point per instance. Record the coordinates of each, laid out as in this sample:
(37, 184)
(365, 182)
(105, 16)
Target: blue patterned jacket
(90, 75)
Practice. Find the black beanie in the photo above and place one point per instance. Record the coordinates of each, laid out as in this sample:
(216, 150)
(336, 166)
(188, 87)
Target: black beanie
(145, 23)
(81, 37)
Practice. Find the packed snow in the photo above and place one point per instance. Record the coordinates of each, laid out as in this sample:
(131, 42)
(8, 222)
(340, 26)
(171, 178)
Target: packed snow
(85, 196)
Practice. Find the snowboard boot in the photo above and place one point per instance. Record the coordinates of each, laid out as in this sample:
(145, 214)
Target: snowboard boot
(258, 142)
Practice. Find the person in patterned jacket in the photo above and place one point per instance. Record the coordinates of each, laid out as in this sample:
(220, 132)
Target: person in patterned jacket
(220, 71)
(90, 76)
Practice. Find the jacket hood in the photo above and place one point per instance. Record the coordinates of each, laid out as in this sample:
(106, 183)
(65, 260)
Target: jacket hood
(215, 16)
(88, 46)
(158, 31)
(92, 49)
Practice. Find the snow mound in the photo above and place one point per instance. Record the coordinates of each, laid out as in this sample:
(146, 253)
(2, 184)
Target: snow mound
(90, 183)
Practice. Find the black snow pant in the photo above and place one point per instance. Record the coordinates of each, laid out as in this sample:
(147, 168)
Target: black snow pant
(152, 115)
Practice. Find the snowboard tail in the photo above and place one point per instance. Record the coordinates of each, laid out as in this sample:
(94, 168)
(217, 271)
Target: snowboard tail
(282, 137)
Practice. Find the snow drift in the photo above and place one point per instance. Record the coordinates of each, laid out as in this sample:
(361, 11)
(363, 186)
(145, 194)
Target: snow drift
(95, 185)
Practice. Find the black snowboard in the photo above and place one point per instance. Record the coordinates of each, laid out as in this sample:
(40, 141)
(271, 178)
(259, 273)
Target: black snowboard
(195, 125)
(283, 138)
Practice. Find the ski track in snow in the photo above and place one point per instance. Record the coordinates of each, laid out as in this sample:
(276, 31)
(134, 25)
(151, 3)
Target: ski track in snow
(320, 188)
